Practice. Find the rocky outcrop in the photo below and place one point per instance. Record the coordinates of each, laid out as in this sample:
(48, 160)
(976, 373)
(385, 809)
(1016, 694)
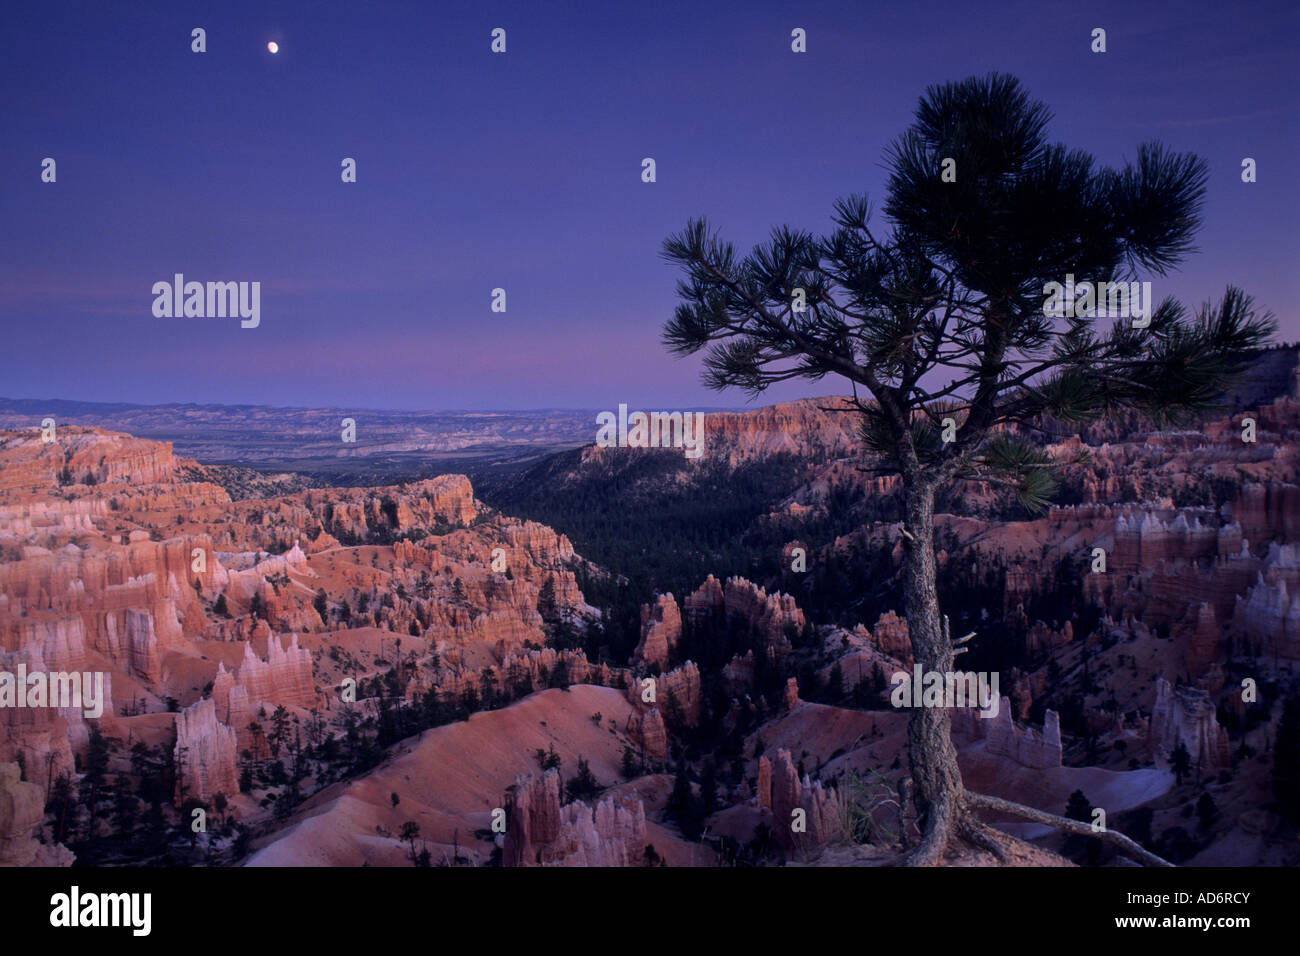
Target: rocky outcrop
(284, 678)
(81, 455)
(807, 428)
(676, 691)
(1269, 616)
(814, 428)
(780, 788)
(1144, 540)
(738, 674)
(1268, 511)
(540, 832)
(205, 754)
(1205, 644)
(1002, 737)
(892, 636)
(22, 810)
(612, 833)
(1186, 715)
(505, 630)
(661, 629)
(230, 698)
(359, 513)
(768, 615)
(707, 602)
(136, 600)
(790, 697)
(532, 818)
(46, 736)
(647, 731)
(1041, 639)
(534, 544)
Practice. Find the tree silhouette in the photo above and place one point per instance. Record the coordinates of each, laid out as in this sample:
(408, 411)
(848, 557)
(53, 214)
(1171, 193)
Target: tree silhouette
(584, 785)
(1080, 808)
(941, 328)
(1286, 760)
(628, 765)
(546, 603)
(1206, 811)
(409, 831)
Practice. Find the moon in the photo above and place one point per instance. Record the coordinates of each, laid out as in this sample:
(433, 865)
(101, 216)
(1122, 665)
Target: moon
(273, 47)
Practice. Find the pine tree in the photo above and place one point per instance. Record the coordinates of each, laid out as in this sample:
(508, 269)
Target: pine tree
(684, 806)
(584, 785)
(95, 778)
(546, 605)
(1078, 807)
(628, 766)
(835, 683)
(940, 326)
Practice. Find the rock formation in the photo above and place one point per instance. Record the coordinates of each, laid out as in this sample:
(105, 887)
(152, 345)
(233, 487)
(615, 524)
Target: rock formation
(661, 629)
(1186, 715)
(1002, 737)
(540, 832)
(205, 754)
(22, 810)
(768, 615)
(790, 697)
(1268, 511)
(780, 788)
(284, 678)
(678, 689)
(610, 834)
(892, 636)
(1269, 616)
(647, 731)
(230, 699)
(1205, 644)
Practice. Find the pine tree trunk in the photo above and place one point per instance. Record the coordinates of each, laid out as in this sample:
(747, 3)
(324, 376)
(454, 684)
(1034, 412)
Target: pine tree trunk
(938, 788)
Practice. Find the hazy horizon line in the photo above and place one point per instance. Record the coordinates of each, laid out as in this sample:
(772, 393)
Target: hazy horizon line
(429, 411)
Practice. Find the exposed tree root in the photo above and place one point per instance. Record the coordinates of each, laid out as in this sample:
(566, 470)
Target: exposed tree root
(952, 824)
(1129, 847)
(977, 834)
(948, 822)
(939, 823)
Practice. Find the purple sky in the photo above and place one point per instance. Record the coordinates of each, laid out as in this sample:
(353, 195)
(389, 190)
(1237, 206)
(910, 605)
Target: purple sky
(523, 171)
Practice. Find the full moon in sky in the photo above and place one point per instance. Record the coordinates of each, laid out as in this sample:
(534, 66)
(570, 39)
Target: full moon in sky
(273, 47)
